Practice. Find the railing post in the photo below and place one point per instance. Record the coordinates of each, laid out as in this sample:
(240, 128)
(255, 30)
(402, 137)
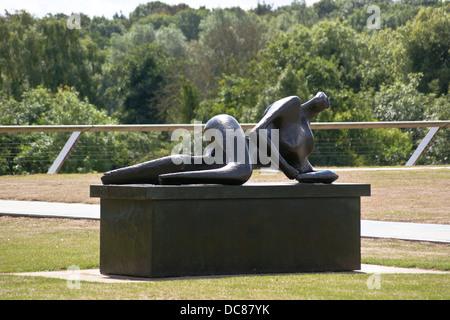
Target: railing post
(424, 145)
(65, 152)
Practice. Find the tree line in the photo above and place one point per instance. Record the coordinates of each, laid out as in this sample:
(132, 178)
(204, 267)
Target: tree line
(175, 64)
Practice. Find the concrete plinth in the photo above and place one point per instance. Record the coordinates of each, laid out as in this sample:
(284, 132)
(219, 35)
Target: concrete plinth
(193, 230)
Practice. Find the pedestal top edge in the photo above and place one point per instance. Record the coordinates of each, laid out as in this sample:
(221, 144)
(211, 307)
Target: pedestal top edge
(247, 190)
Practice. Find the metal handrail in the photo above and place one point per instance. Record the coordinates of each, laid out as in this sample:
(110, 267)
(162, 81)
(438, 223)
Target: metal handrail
(245, 126)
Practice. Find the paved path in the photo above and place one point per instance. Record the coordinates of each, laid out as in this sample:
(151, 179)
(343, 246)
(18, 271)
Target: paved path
(49, 209)
(406, 231)
(369, 228)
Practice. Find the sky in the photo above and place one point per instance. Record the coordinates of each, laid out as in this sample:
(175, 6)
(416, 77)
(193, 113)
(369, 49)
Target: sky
(108, 8)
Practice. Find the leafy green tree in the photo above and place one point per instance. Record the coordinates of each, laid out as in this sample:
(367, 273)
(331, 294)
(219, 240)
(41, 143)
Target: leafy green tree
(232, 39)
(157, 20)
(298, 12)
(263, 8)
(35, 152)
(403, 102)
(287, 67)
(32, 153)
(427, 43)
(339, 43)
(69, 59)
(188, 21)
(20, 53)
(324, 8)
(45, 52)
(155, 7)
(357, 147)
(383, 61)
(236, 96)
(439, 153)
(23, 112)
(172, 40)
(188, 102)
(137, 86)
(144, 10)
(392, 15)
(329, 54)
(168, 37)
(289, 83)
(101, 29)
(120, 45)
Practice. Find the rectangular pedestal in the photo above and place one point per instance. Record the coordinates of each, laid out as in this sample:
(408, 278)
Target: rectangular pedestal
(191, 230)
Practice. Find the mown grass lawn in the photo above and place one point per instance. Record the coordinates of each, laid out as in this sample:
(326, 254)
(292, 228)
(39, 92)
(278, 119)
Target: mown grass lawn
(261, 287)
(32, 244)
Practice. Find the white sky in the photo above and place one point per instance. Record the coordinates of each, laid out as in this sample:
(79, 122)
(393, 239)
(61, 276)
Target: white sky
(108, 8)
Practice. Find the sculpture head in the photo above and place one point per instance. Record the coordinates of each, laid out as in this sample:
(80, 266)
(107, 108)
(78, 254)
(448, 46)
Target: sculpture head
(316, 105)
(322, 102)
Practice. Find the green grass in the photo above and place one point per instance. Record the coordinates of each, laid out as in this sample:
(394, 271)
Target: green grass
(28, 244)
(269, 287)
(406, 254)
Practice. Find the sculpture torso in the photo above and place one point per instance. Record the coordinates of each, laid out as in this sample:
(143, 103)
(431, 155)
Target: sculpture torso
(296, 141)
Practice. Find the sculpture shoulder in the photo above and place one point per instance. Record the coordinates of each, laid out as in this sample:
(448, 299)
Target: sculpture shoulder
(288, 108)
(283, 104)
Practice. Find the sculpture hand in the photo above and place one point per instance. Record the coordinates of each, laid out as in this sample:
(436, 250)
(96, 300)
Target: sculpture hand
(291, 173)
(322, 176)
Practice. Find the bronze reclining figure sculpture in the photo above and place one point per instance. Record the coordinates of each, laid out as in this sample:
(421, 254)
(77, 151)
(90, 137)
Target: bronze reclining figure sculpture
(296, 142)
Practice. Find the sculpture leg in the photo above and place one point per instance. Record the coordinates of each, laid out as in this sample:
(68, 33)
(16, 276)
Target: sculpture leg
(232, 166)
(233, 173)
(236, 169)
(148, 172)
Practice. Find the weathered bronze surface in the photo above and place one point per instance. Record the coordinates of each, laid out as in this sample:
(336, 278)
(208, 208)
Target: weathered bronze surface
(296, 142)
